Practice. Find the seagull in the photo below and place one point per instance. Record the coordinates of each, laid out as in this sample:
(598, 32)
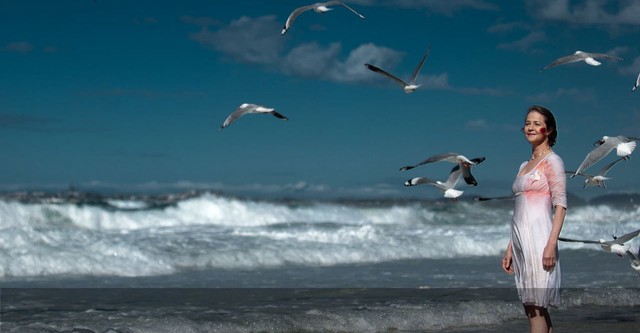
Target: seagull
(409, 87)
(447, 187)
(597, 180)
(635, 260)
(461, 161)
(466, 170)
(319, 7)
(589, 58)
(623, 145)
(247, 108)
(619, 245)
(636, 84)
(507, 197)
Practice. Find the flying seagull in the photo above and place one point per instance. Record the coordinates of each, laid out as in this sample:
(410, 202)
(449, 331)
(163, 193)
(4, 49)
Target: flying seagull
(636, 84)
(461, 161)
(320, 7)
(409, 87)
(447, 187)
(597, 180)
(589, 58)
(619, 245)
(623, 145)
(247, 108)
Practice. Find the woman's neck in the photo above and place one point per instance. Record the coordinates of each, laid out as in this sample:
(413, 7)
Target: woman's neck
(540, 150)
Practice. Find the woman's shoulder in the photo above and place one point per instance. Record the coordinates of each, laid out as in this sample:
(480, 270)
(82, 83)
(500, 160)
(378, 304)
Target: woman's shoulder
(554, 159)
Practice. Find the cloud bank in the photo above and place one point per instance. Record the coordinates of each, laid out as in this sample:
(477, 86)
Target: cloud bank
(257, 41)
(592, 12)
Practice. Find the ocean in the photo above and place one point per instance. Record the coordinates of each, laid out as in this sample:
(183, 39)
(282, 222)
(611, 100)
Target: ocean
(210, 262)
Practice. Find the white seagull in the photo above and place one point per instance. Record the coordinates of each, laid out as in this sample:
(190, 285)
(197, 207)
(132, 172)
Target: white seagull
(247, 108)
(635, 260)
(408, 87)
(597, 180)
(461, 161)
(619, 245)
(587, 57)
(447, 187)
(623, 145)
(636, 84)
(320, 7)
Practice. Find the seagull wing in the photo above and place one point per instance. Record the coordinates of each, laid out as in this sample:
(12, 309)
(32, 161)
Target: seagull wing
(636, 84)
(329, 3)
(466, 170)
(294, 14)
(564, 60)
(573, 173)
(595, 155)
(432, 159)
(578, 240)
(604, 56)
(239, 112)
(453, 179)
(604, 170)
(278, 115)
(387, 74)
(627, 237)
(493, 198)
(414, 76)
(418, 181)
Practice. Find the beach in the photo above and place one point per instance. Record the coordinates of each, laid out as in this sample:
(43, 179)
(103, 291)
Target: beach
(214, 263)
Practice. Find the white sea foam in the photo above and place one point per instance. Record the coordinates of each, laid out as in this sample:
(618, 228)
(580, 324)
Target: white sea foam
(211, 231)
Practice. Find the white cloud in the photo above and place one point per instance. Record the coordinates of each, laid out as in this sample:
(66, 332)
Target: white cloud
(526, 43)
(485, 125)
(447, 7)
(579, 95)
(484, 91)
(19, 47)
(313, 60)
(632, 69)
(477, 124)
(596, 12)
(438, 81)
(505, 27)
(253, 41)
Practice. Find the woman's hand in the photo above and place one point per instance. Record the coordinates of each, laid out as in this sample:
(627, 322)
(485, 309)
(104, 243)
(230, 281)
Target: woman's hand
(507, 261)
(549, 257)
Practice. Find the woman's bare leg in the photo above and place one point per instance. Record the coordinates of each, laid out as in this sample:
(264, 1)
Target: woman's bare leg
(539, 319)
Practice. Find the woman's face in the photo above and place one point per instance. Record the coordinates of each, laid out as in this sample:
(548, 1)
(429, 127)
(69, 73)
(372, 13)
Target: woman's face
(535, 128)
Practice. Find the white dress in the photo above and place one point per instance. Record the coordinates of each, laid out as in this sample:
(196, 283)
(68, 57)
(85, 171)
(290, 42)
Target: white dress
(537, 192)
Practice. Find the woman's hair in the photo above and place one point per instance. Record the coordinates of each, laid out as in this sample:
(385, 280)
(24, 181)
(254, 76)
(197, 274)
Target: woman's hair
(549, 120)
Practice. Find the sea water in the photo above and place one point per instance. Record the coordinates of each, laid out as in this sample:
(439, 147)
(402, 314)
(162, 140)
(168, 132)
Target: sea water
(205, 262)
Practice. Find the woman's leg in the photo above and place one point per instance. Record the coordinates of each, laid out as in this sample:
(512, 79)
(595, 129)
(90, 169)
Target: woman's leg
(539, 319)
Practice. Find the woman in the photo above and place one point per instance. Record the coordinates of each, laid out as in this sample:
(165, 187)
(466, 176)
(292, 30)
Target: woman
(541, 203)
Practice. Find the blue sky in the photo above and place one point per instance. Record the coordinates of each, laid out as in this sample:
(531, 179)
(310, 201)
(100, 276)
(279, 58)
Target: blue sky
(128, 96)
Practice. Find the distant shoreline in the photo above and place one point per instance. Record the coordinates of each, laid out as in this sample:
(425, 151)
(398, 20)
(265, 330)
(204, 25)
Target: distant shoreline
(165, 198)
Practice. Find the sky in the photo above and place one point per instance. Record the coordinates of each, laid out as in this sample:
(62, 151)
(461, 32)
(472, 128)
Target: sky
(129, 95)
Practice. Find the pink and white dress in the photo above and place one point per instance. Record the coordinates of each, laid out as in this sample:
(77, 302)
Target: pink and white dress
(537, 193)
